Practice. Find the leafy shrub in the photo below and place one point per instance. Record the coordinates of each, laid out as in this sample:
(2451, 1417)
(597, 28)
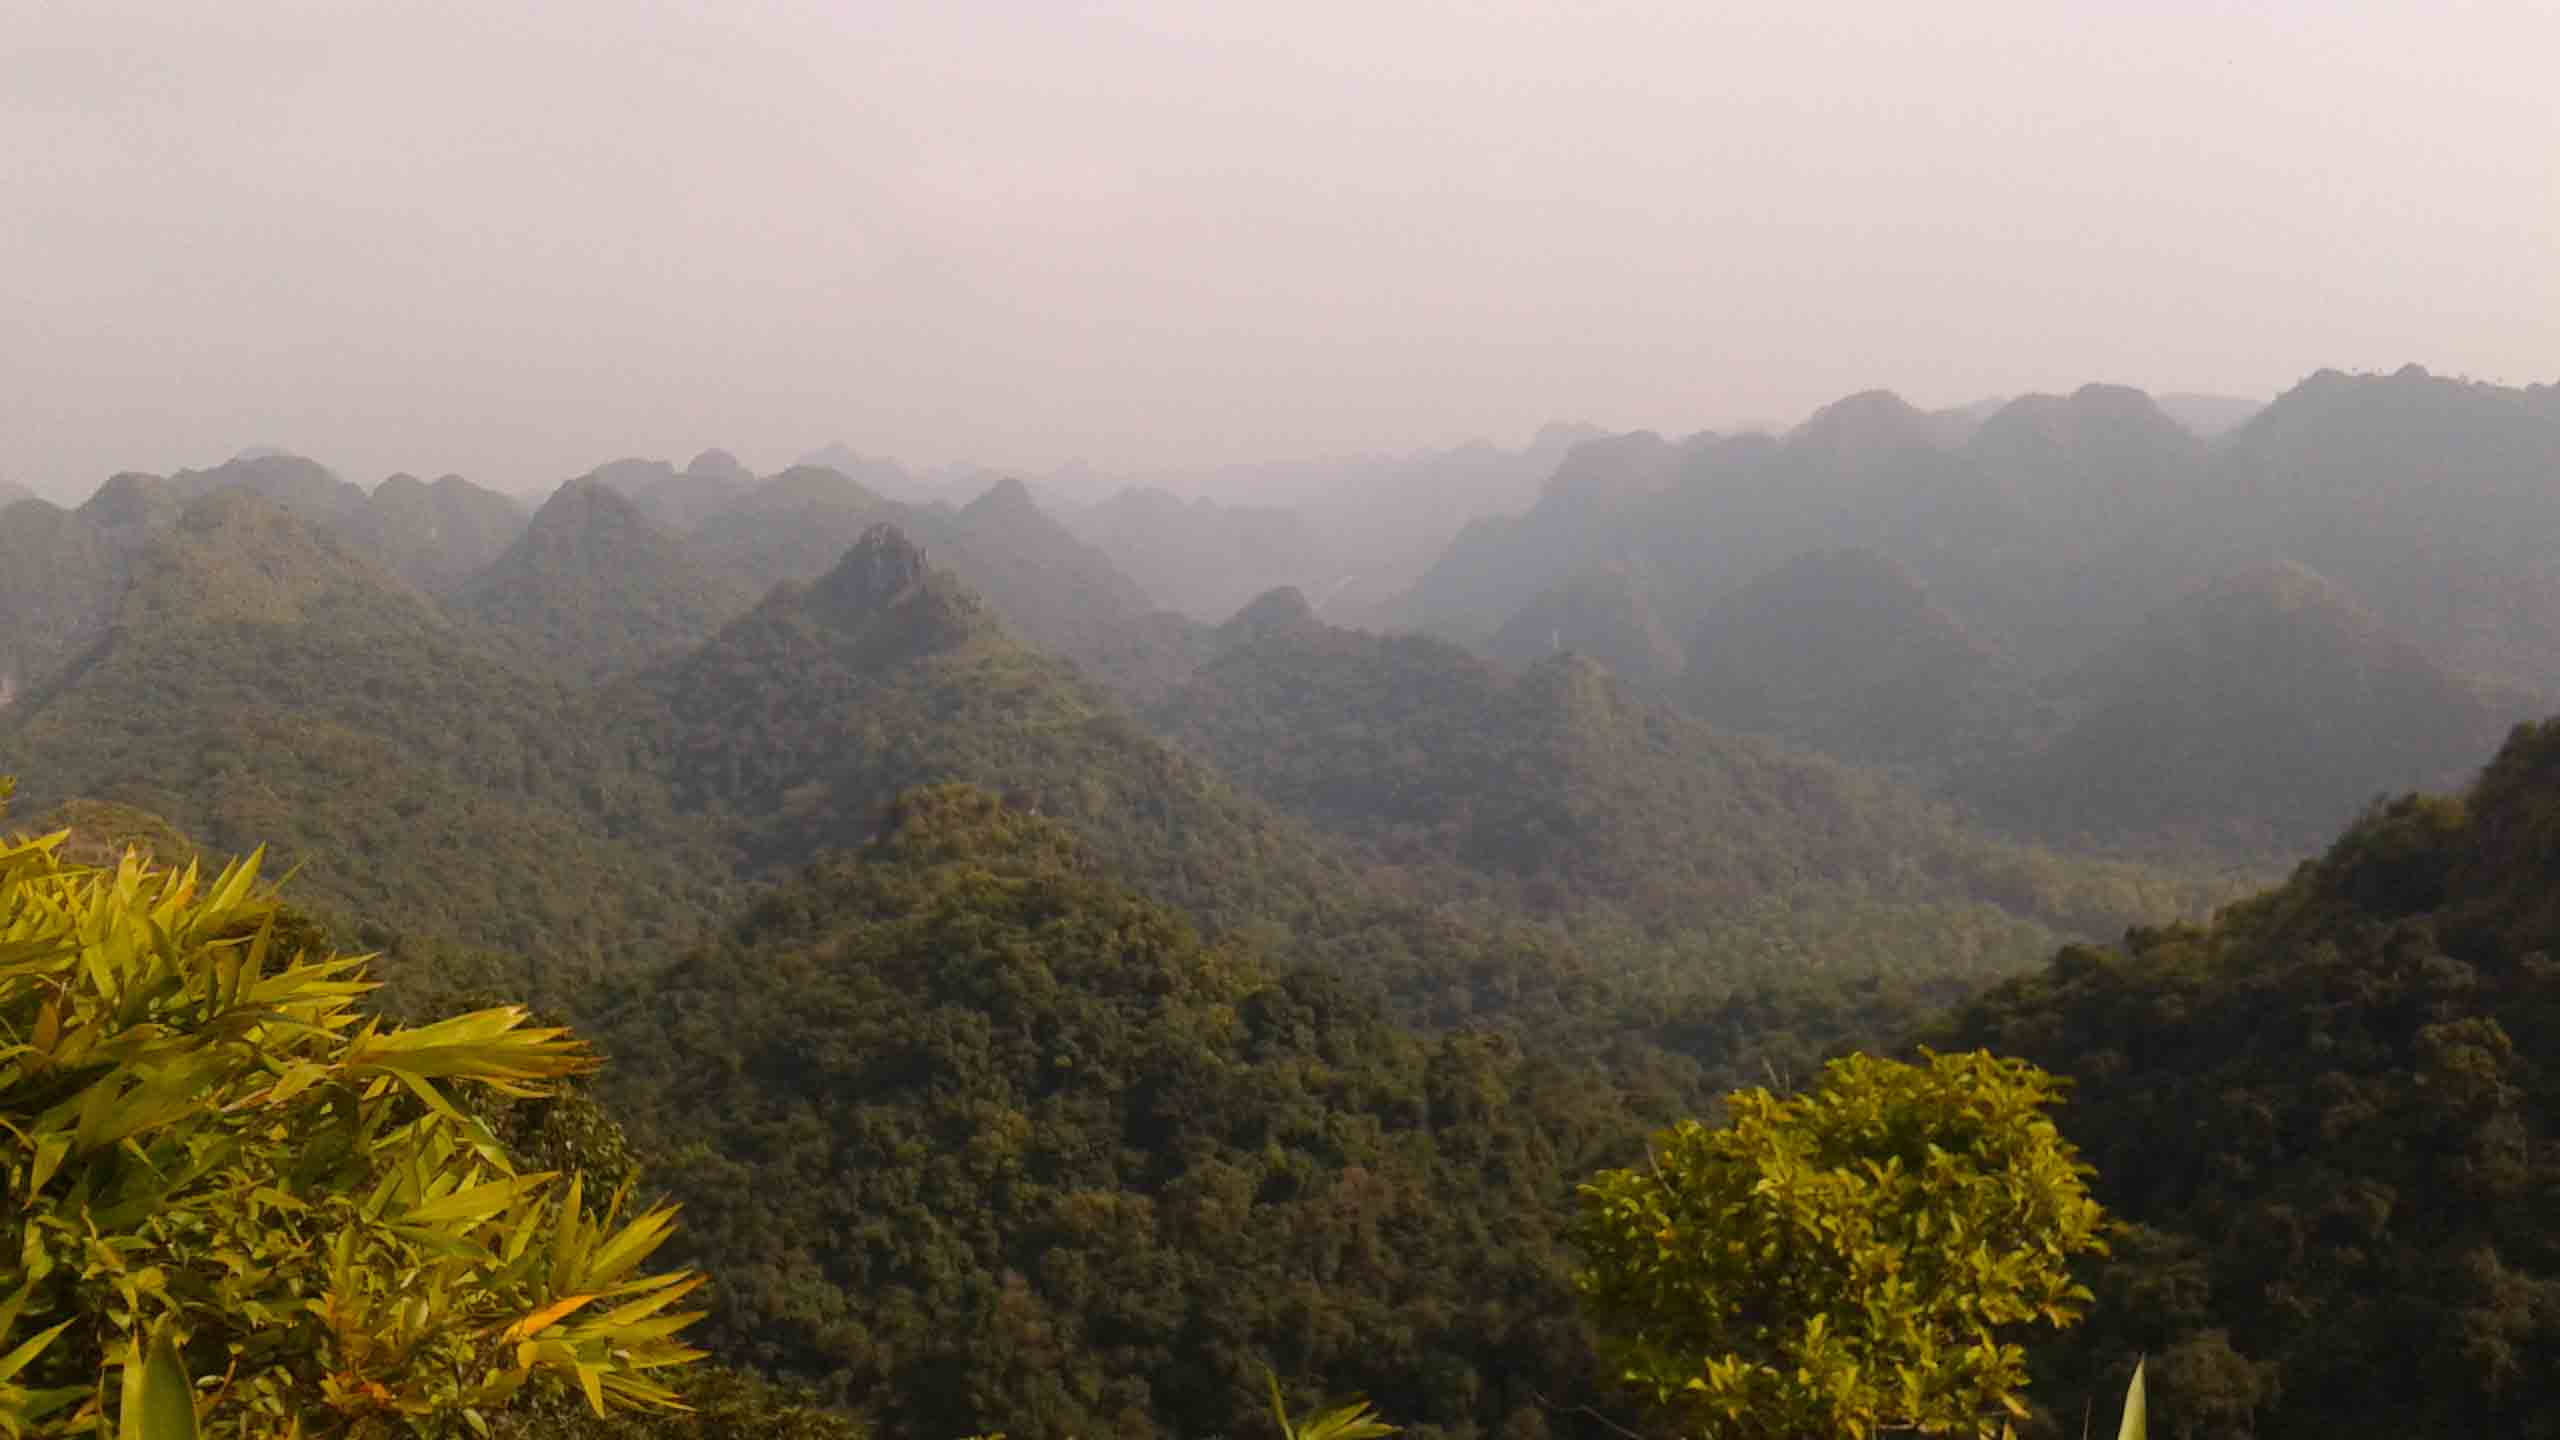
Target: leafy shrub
(214, 1158)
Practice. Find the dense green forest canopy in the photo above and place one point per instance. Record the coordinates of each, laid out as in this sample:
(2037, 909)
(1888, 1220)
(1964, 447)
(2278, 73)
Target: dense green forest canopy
(1032, 1063)
(977, 1138)
(2330, 1117)
(1560, 794)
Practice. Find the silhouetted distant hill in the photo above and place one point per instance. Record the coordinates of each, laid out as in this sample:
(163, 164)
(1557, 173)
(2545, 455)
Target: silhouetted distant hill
(2433, 500)
(592, 590)
(2210, 417)
(2264, 710)
(1841, 651)
(2052, 525)
(1199, 556)
(2089, 502)
(678, 500)
(12, 492)
(1058, 592)
(793, 525)
(1561, 795)
(878, 474)
(1581, 524)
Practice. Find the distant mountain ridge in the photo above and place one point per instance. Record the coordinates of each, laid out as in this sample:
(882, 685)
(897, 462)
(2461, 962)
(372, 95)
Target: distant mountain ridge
(265, 683)
(800, 721)
(1557, 790)
(2269, 706)
(1843, 652)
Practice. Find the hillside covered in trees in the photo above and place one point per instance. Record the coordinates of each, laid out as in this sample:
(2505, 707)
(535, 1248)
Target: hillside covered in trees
(1059, 1015)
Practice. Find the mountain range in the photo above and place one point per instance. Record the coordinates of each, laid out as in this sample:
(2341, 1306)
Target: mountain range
(1053, 1010)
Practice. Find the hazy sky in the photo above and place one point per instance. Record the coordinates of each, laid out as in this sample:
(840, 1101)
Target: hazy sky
(516, 238)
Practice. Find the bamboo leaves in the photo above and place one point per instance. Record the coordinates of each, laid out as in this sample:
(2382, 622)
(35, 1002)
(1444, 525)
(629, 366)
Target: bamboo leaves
(205, 1142)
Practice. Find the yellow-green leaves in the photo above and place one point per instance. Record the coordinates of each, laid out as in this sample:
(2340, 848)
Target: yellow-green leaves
(159, 1403)
(204, 1141)
(1355, 1421)
(2136, 1424)
(1847, 1260)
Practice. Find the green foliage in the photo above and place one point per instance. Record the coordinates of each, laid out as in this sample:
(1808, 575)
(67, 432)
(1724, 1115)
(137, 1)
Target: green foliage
(270, 689)
(977, 1139)
(217, 1161)
(1556, 795)
(592, 590)
(1847, 1261)
(2136, 1424)
(1354, 1421)
(2329, 1117)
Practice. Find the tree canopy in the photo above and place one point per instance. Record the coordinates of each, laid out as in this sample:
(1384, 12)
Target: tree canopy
(1848, 1261)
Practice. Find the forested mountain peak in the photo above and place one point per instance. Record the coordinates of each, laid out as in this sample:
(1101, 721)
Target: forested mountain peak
(11, 492)
(303, 486)
(2093, 415)
(1866, 425)
(976, 1136)
(882, 569)
(2326, 1118)
(1007, 497)
(1842, 651)
(592, 589)
(874, 473)
(718, 464)
(1575, 801)
(2336, 431)
(1605, 613)
(131, 500)
(439, 535)
(1611, 468)
(801, 720)
(233, 556)
(1282, 608)
(807, 487)
(2262, 708)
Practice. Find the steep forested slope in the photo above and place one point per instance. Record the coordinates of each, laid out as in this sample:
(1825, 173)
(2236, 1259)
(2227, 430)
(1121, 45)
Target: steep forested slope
(804, 718)
(264, 684)
(1607, 615)
(2332, 1117)
(1559, 794)
(979, 1140)
(2431, 499)
(592, 590)
(1054, 590)
(791, 526)
(437, 536)
(1841, 651)
(2260, 712)
(62, 571)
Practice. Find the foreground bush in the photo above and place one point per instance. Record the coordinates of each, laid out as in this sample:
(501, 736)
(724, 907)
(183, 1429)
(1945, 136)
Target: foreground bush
(1848, 1261)
(232, 1193)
